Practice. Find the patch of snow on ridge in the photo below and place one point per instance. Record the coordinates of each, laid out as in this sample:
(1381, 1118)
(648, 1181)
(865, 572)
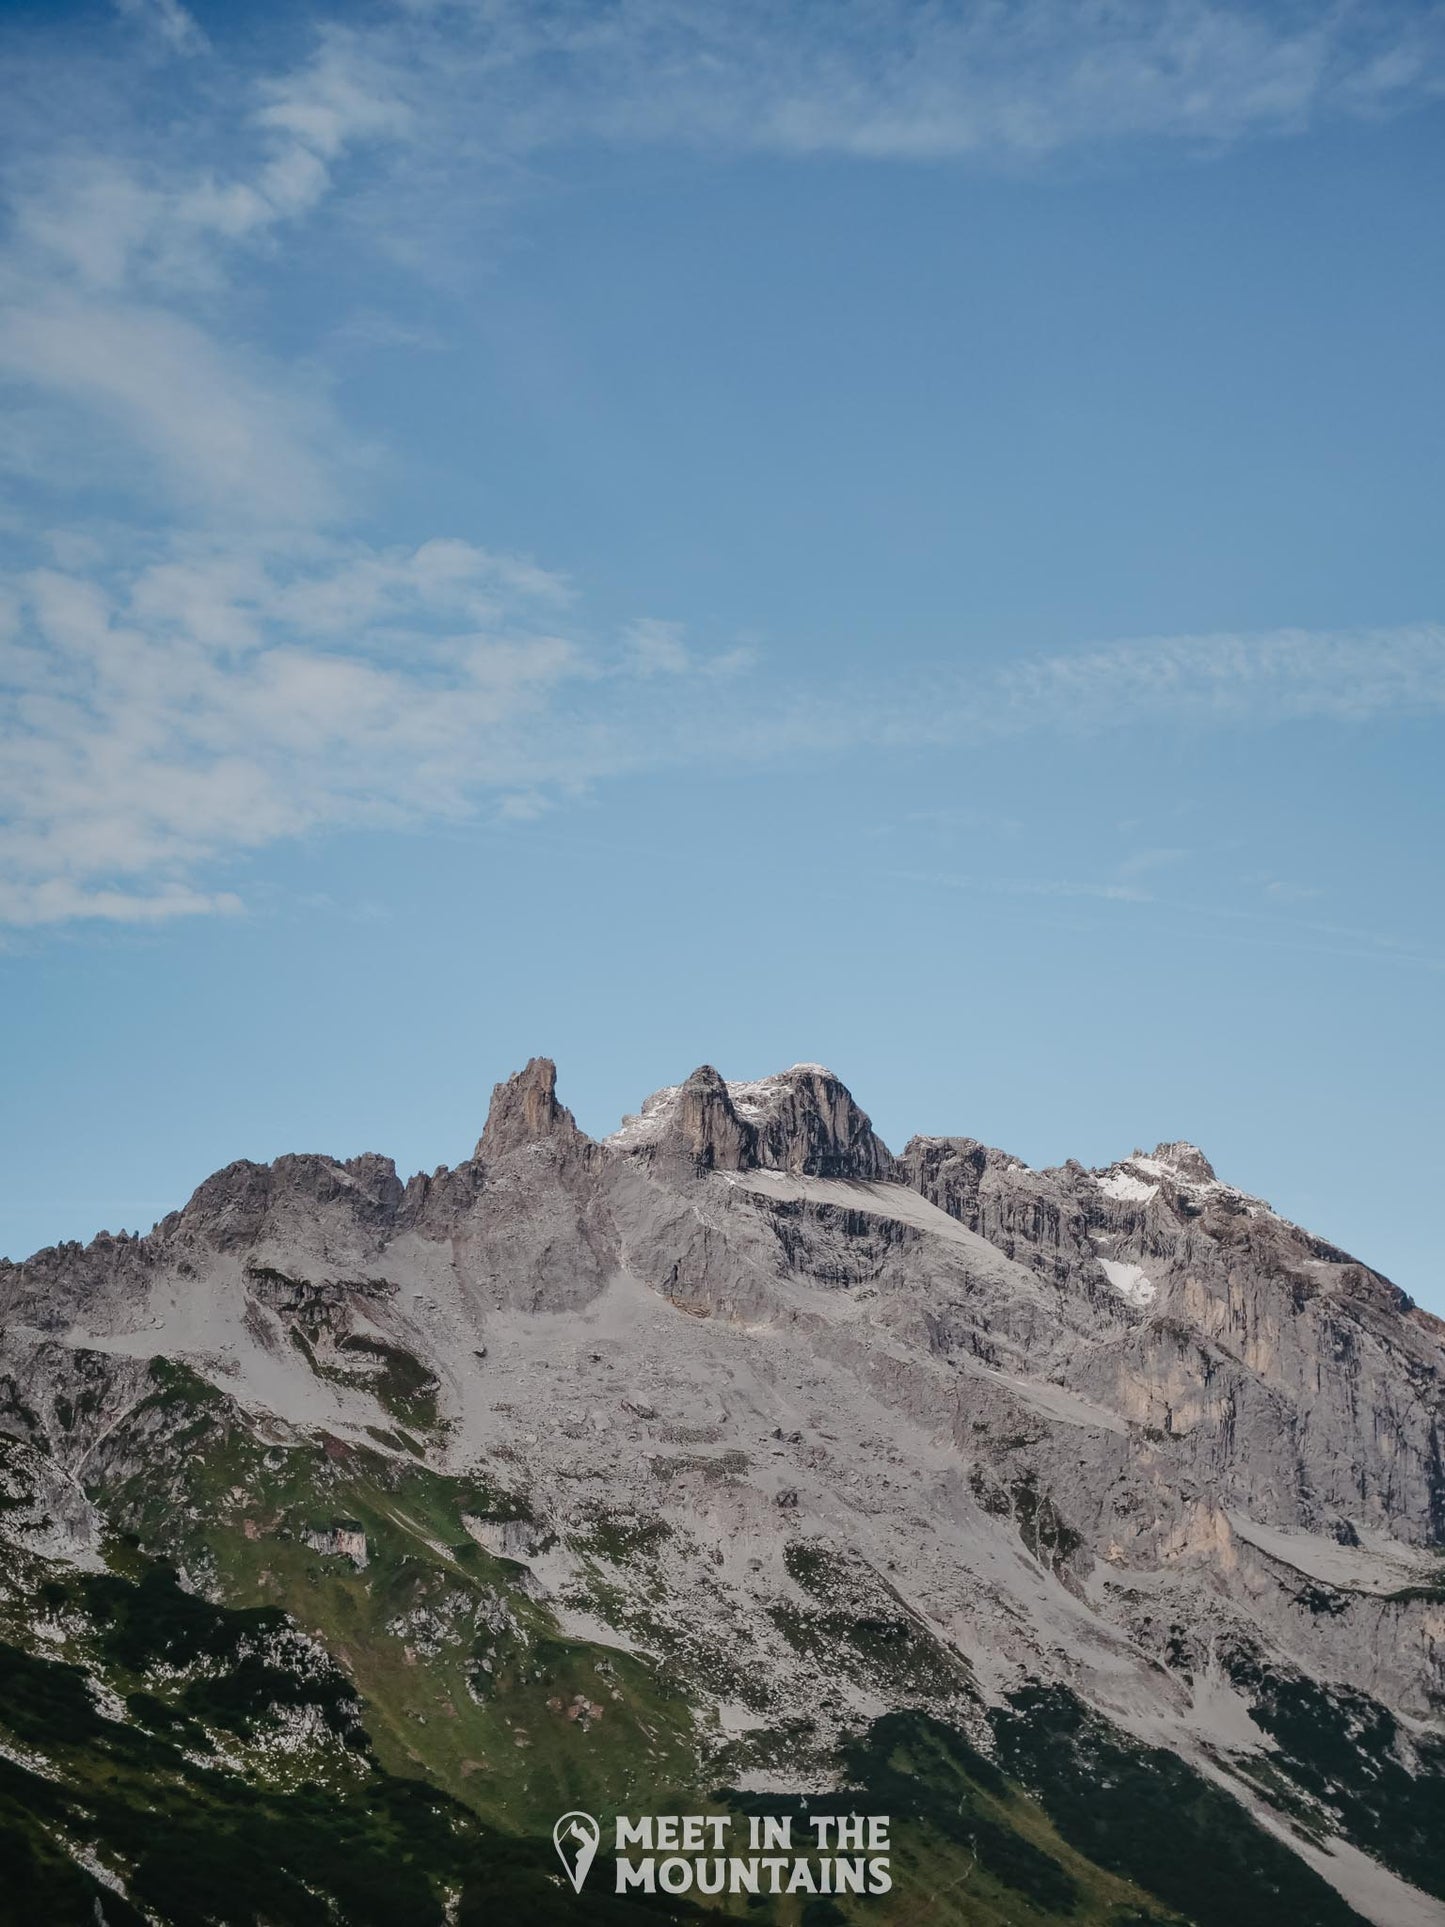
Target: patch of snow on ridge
(646, 1124)
(752, 1100)
(1118, 1184)
(1130, 1281)
(1180, 1167)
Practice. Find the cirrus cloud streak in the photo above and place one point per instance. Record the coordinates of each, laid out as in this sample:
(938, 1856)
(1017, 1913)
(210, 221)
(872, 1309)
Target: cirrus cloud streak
(165, 722)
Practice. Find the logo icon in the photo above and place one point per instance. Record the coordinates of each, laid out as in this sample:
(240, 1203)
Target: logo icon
(576, 1837)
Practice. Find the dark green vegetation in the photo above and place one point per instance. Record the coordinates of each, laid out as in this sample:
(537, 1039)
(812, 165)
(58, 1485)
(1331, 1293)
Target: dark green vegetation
(1044, 1533)
(218, 1756)
(968, 1845)
(318, 1315)
(396, 1378)
(1347, 1753)
(246, 1667)
(459, 1670)
(17, 1493)
(1042, 1530)
(402, 1383)
(1144, 1814)
(857, 1623)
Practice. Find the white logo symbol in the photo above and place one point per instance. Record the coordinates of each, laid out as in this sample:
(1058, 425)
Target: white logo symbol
(575, 1837)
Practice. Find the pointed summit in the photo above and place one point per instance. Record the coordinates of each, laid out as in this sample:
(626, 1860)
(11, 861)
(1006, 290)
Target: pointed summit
(524, 1109)
(1187, 1160)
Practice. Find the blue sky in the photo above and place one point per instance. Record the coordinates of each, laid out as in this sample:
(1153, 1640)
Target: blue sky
(897, 534)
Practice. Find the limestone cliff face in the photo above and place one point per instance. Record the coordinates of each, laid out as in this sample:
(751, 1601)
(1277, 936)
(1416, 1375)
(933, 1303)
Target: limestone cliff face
(525, 1222)
(808, 1124)
(704, 1131)
(1288, 1376)
(1031, 1215)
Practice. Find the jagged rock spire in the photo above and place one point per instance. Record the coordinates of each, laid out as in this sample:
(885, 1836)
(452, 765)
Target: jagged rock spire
(523, 1109)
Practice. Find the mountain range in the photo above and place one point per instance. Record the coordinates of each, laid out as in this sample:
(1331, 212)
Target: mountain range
(1090, 1523)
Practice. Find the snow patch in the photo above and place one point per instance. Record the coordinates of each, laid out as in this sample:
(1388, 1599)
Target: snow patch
(1119, 1184)
(646, 1125)
(1130, 1281)
(753, 1100)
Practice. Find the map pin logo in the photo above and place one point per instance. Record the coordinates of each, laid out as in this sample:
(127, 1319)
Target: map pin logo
(576, 1837)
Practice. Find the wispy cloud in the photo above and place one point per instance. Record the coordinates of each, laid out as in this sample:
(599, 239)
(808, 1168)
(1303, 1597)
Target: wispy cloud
(1013, 886)
(210, 704)
(224, 432)
(1274, 929)
(114, 210)
(168, 20)
(459, 90)
(241, 670)
(906, 79)
(126, 232)
(164, 720)
(657, 648)
(1282, 676)
(115, 268)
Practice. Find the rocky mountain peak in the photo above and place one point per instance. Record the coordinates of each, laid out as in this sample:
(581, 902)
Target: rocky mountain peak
(806, 1121)
(525, 1109)
(803, 1120)
(707, 1127)
(1184, 1161)
(1178, 1167)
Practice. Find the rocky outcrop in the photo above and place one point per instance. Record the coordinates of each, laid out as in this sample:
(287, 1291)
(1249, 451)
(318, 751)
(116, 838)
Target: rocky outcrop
(1031, 1215)
(1287, 1377)
(803, 1121)
(230, 1210)
(706, 1128)
(342, 1539)
(524, 1110)
(807, 1123)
